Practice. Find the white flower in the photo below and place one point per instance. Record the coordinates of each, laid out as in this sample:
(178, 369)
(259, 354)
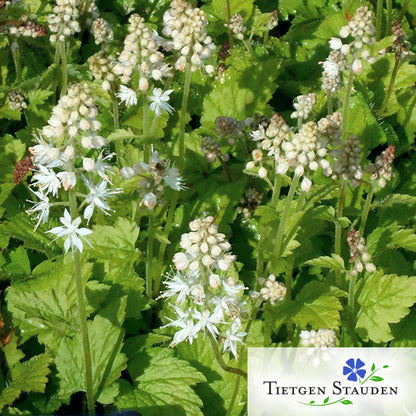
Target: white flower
(97, 197)
(149, 200)
(177, 284)
(408, 413)
(232, 336)
(71, 231)
(173, 179)
(42, 206)
(357, 66)
(127, 96)
(335, 43)
(68, 179)
(189, 329)
(47, 180)
(207, 321)
(306, 184)
(159, 101)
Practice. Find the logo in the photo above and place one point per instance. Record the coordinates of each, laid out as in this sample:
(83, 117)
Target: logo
(348, 381)
(355, 372)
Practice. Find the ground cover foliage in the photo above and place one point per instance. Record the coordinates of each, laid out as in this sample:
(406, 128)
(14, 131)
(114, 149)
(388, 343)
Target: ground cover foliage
(182, 181)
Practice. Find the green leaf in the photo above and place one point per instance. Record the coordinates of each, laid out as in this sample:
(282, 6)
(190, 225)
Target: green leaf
(335, 262)
(383, 300)
(373, 367)
(119, 240)
(46, 305)
(163, 387)
(122, 134)
(14, 263)
(28, 376)
(376, 378)
(106, 335)
(238, 94)
(6, 112)
(317, 305)
(326, 400)
(346, 402)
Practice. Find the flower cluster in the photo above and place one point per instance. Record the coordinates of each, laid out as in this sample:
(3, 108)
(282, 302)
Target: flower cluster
(401, 46)
(206, 297)
(346, 163)
(187, 28)
(303, 106)
(64, 20)
(323, 338)
(16, 101)
(155, 176)
(249, 202)
(102, 32)
(358, 253)
(362, 30)
(76, 114)
(141, 54)
(272, 290)
(382, 170)
(101, 67)
(332, 67)
(229, 127)
(25, 27)
(236, 25)
(62, 161)
(211, 149)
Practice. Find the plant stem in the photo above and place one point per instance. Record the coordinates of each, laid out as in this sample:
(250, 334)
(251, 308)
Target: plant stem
(346, 105)
(230, 32)
(403, 10)
(243, 145)
(221, 361)
(149, 258)
(64, 69)
(379, 18)
(248, 46)
(186, 89)
(289, 276)
(338, 228)
(330, 106)
(81, 309)
(225, 167)
(116, 118)
(146, 155)
(16, 59)
(351, 293)
(276, 189)
(389, 15)
(390, 87)
(366, 209)
(285, 216)
(174, 200)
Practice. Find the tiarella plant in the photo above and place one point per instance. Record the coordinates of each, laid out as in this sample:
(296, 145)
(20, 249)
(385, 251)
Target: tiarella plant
(180, 183)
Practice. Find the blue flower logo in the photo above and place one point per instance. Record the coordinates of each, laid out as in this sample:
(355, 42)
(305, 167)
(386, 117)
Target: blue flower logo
(354, 369)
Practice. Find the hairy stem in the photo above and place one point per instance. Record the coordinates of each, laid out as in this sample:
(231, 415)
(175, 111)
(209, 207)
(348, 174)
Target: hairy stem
(338, 228)
(389, 88)
(73, 207)
(346, 105)
(276, 189)
(248, 46)
(389, 17)
(366, 209)
(230, 32)
(146, 155)
(174, 200)
(221, 361)
(329, 104)
(285, 216)
(403, 10)
(149, 258)
(225, 167)
(16, 59)
(63, 67)
(186, 89)
(289, 276)
(379, 18)
(116, 118)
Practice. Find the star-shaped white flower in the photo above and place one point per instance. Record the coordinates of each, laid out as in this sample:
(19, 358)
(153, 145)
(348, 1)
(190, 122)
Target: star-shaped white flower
(71, 231)
(47, 180)
(159, 101)
(232, 336)
(41, 207)
(127, 96)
